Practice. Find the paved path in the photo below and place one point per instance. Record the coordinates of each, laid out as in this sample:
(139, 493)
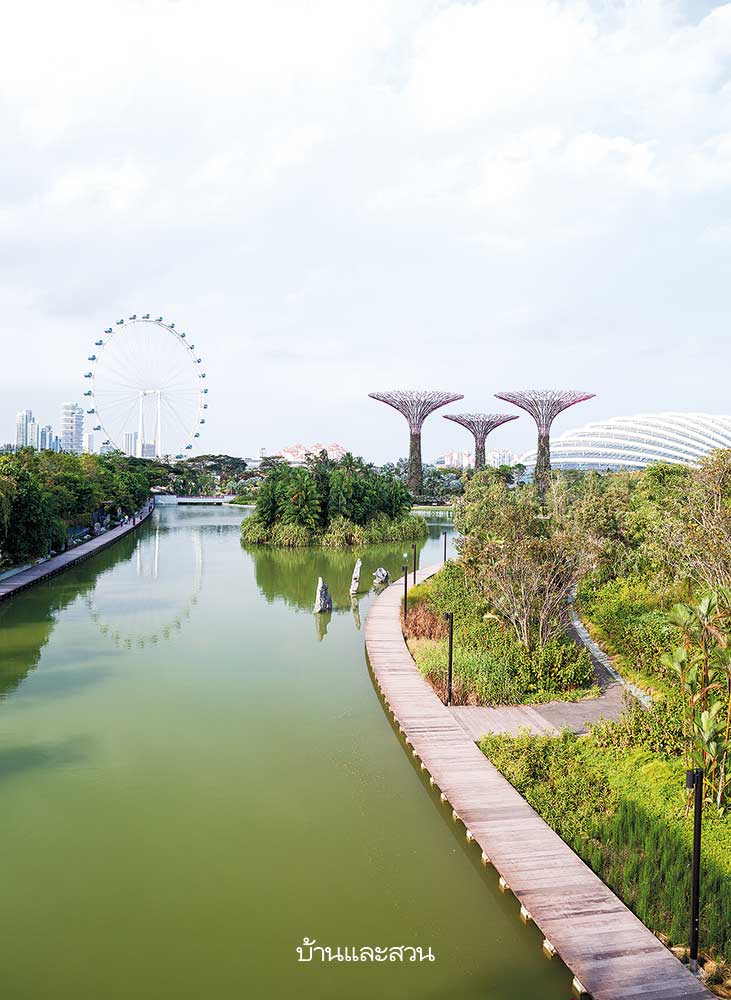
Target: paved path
(14, 584)
(610, 952)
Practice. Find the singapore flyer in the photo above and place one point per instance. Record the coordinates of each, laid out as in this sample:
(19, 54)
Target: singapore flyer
(147, 392)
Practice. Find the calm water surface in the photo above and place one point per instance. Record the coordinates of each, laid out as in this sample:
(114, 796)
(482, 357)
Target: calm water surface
(196, 773)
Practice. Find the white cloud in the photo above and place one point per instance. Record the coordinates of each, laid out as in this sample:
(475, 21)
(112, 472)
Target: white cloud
(339, 195)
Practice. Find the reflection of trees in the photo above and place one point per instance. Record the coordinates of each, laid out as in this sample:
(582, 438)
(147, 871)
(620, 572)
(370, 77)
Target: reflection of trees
(27, 620)
(290, 575)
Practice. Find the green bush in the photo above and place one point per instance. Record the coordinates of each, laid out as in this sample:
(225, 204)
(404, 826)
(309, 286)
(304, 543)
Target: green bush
(290, 536)
(561, 665)
(342, 532)
(624, 814)
(254, 532)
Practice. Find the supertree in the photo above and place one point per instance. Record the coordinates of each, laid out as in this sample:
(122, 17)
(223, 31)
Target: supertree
(416, 405)
(544, 405)
(480, 425)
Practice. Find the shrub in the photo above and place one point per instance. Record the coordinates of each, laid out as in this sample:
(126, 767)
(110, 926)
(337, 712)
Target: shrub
(478, 678)
(342, 532)
(254, 532)
(422, 623)
(290, 536)
(561, 665)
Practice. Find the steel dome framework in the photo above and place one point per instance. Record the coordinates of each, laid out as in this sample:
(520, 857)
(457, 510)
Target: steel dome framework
(635, 442)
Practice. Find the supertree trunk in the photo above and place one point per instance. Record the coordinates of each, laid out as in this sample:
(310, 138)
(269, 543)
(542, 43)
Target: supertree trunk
(479, 455)
(542, 474)
(416, 469)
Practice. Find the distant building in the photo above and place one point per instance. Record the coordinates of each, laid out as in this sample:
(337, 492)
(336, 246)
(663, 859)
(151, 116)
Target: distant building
(496, 458)
(32, 433)
(46, 438)
(72, 428)
(149, 450)
(296, 454)
(23, 419)
(130, 443)
(106, 447)
(456, 460)
(89, 443)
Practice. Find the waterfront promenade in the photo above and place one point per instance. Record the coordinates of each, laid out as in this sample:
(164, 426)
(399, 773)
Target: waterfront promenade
(611, 954)
(42, 571)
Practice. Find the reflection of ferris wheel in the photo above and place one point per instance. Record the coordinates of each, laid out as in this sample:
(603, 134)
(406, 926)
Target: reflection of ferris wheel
(147, 389)
(143, 624)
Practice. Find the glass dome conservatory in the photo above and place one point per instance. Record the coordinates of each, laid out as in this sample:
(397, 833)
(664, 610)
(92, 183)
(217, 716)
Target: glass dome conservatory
(639, 441)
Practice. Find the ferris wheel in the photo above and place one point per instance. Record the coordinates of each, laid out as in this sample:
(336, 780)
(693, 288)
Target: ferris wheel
(147, 390)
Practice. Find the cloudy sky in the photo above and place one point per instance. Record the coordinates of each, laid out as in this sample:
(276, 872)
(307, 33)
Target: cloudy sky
(342, 196)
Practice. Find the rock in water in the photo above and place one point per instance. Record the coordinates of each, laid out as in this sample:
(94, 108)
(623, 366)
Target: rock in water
(323, 601)
(356, 577)
(381, 576)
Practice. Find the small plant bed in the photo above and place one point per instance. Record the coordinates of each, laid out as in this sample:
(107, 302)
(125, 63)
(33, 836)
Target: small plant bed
(491, 667)
(333, 504)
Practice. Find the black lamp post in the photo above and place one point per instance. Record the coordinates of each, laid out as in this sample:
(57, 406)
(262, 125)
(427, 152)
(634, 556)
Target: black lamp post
(449, 616)
(694, 780)
(414, 551)
(405, 568)
(445, 545)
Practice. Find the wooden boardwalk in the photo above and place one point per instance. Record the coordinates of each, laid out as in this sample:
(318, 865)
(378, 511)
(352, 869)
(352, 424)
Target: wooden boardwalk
(612, 955)
(28, 577)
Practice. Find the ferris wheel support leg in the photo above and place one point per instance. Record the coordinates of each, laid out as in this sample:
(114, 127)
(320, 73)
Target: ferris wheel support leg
(158, 434)
(140, 427)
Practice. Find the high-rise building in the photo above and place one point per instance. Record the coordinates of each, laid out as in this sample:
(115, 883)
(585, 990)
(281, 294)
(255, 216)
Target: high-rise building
(89, 443)
(45, 438)
(72, 428)
(130, 443)
(498, 457)
(21, 428)
(32, 434)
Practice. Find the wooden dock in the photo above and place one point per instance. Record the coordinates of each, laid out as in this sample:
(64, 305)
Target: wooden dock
(42, 571)
(611, 954)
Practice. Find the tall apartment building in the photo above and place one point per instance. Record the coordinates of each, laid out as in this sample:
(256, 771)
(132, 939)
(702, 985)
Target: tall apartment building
(130, 443)
(47, 440)
(72, 428)
(21, 428)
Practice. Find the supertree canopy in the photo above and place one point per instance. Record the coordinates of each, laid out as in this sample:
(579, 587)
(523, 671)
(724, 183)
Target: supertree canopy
(544, 405)
(416, 405)
(480, 425)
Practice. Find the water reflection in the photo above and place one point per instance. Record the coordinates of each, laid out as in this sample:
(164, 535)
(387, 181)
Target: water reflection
(141, 617)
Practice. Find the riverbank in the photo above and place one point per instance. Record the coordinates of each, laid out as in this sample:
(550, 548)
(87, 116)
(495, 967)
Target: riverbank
(610, 952)
(42, 571)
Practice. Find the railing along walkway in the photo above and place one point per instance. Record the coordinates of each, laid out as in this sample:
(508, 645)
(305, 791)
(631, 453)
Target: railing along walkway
(20, 581)
(612, 955)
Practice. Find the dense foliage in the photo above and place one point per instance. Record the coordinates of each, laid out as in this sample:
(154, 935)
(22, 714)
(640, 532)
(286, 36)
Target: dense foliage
(491, 665)
(333, 503)
(43, 494)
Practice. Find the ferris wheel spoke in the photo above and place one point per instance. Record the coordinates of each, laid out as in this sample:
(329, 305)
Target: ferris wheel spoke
(147, 374)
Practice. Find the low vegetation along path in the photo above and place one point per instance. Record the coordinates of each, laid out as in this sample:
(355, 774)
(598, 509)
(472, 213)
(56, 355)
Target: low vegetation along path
(610, 952)
(553, 716)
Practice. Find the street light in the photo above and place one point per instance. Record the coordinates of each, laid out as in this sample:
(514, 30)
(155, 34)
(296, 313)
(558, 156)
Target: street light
(405, 569)
(449, 617)
(445, 545)
(694, 780)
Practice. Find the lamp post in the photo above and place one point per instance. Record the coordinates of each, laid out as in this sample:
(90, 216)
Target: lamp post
(694, 780)
(413, 547)
(445, 545)
(405, 568)
(449, 616)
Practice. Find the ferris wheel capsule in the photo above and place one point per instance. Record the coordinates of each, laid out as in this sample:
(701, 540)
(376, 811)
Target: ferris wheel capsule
(159, 319)
(146, 316)
(109, 330)
(120, 322)
(89, 375)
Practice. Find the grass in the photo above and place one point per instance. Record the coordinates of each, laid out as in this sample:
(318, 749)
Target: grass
(624, 813)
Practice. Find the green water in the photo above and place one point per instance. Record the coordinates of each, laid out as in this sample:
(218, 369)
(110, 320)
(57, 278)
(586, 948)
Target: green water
(196, 773)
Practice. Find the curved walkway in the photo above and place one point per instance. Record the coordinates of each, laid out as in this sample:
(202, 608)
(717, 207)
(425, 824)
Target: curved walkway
(610, 952)
(20, 581)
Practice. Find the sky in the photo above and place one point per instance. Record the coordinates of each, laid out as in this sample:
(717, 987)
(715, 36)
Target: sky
(343, 196)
